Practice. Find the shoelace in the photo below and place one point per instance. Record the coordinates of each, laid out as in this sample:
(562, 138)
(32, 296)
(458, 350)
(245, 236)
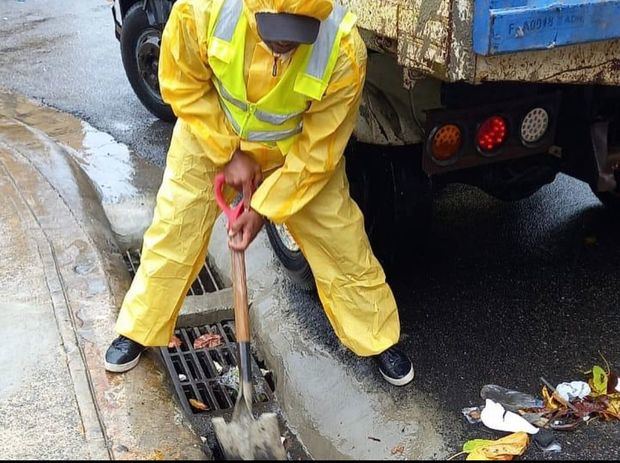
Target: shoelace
(121, 341)
(392, 357)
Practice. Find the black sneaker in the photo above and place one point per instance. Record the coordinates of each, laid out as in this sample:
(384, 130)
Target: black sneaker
(122, 355)
(395, 367)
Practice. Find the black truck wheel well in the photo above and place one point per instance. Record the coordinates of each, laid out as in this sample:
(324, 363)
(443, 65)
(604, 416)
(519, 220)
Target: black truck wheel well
(156, 10)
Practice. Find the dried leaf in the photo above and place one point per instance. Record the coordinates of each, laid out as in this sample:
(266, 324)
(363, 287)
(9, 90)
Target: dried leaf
(198, 405)
(587, 407)
(551, 403)
(598, 382)
(505, 448)
(613, 405)
(208, 340)
(174, 343)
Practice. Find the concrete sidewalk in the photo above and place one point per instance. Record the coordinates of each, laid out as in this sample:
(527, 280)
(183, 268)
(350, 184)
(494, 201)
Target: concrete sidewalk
(61, 281)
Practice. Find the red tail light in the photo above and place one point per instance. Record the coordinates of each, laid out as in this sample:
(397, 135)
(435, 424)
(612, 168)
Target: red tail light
(492, 134)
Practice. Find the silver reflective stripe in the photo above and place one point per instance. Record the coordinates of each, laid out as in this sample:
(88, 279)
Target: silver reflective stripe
(275, 135)
(271, 118)
(276, 119)
(322, 48)
(227, 96)
(227, 20)
(231, 119)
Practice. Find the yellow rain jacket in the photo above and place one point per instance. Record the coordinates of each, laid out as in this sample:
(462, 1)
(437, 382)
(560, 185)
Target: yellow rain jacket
(216, 85)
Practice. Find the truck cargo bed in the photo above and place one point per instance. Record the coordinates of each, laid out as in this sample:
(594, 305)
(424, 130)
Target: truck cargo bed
(579, 39)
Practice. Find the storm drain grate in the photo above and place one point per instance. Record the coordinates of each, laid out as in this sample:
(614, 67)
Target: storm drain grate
(204, 283)
(207, 374)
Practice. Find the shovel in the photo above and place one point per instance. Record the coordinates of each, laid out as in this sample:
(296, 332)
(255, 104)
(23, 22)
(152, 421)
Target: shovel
(244, 438)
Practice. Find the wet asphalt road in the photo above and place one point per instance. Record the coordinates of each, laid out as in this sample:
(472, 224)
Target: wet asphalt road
(506, 293)
(66, 55)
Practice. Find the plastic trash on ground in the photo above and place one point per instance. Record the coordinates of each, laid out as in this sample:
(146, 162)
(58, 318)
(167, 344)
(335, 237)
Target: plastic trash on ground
(494, 416)
(472, 414)
(545, 440)
(509, 399)
(573, 390)
(537, 419)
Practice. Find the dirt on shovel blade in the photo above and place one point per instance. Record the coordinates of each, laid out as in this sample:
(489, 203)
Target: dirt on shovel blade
(249, 439)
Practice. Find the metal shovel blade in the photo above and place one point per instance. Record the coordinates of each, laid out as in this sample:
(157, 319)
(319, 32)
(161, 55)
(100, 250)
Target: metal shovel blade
(245, 438)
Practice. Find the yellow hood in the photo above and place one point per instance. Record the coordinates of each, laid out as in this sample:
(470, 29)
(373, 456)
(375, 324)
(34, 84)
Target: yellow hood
(318, 9)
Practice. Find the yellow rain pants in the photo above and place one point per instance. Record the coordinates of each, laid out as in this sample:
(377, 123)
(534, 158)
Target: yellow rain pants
(306, 189)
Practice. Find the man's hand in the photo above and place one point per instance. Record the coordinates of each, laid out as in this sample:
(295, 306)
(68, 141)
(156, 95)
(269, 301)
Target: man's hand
(243, 174)
(244, 230)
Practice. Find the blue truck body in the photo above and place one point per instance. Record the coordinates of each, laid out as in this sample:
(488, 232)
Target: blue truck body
(503, 26)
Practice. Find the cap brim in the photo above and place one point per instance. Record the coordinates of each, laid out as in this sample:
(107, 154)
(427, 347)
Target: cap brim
(276, 27)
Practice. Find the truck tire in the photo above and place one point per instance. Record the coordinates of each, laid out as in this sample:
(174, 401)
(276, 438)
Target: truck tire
(395, 196)
(140, 43)
(291, 258)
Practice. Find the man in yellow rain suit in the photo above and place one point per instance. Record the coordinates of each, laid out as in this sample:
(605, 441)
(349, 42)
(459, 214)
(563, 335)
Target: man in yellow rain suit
(266, 91)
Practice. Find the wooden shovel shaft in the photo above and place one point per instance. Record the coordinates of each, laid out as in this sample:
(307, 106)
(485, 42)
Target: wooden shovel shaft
(240, 289)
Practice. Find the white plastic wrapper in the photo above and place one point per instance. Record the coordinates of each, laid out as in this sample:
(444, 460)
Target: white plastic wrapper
(573, 390)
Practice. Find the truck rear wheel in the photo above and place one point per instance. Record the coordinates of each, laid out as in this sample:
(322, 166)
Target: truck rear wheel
(395, 195)
(290, 256)
(140, 45)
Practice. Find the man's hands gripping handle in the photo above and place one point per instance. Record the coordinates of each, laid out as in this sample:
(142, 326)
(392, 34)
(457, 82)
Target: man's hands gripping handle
(243, 223)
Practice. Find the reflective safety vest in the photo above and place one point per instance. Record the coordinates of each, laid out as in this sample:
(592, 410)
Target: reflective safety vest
(277, 116)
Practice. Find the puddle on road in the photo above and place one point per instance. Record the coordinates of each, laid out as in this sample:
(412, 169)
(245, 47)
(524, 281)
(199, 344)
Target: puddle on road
(125, 184)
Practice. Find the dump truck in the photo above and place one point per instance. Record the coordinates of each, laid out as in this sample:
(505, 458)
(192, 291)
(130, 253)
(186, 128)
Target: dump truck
(500, 94)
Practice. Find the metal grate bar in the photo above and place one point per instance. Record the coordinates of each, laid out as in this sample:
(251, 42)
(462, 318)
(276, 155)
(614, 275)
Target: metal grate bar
(188, 376)
(190, 291)
(217, 287)
(204, 283)
(132, 267)
(201, 374)
(192, 352)
(202, 287)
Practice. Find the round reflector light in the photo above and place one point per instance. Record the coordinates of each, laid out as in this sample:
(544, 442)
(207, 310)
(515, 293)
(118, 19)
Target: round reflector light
(446, 142)
(492, 133)
(534, 125)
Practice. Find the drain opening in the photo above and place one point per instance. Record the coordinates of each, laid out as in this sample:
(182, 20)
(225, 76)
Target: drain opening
(204, 374)
(204, 283)
(208, 374)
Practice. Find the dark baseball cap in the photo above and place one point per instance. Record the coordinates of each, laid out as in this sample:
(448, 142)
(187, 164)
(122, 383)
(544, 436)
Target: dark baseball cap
(285, 27)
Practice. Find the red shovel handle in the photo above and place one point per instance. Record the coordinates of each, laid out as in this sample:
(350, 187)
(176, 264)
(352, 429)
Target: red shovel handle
(232, 213)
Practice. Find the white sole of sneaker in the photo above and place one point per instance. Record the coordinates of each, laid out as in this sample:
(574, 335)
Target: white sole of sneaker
(399, 382)
(114, 368)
